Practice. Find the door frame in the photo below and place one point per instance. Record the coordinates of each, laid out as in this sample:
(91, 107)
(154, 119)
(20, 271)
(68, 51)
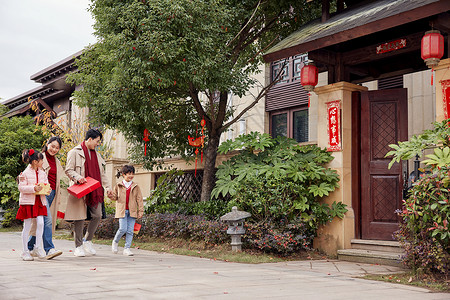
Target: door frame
(356, 161)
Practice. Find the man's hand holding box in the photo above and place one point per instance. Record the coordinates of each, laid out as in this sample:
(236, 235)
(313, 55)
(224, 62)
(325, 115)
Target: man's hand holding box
(81, 190)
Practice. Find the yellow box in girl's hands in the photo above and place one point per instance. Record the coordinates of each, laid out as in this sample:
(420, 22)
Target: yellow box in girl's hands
(46, 189)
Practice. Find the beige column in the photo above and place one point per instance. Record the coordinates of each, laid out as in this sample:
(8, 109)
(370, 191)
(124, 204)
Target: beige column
(337, 234)
(442, 74)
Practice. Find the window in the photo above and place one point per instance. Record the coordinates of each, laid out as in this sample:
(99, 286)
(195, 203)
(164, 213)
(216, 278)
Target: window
(287, 101)
(300, 126)
(292, 123)
(279, 125)
(290, 67)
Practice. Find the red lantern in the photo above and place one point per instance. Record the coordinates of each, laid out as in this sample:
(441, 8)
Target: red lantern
(309, 77)
(432, 48)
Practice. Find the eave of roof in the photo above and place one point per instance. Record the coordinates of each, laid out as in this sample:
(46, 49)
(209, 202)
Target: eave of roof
(353, 23)
(47, 77)
(55, 68)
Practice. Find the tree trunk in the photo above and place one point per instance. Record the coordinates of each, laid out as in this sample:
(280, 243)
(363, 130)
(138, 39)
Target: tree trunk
(209, 170)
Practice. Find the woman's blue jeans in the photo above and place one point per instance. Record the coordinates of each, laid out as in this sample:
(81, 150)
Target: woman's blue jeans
(126, 226)
(47, 235)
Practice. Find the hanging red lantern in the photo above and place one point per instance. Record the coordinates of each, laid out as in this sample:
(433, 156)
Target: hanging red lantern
(309, 76)
(432, 48)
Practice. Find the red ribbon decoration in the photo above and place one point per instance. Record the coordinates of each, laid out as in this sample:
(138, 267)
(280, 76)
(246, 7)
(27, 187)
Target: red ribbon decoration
(146, 139)
(30, 152)
(198, 142)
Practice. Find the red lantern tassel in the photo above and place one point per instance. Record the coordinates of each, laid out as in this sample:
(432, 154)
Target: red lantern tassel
(195, 172)
(309, 100)
(196, 158)
(145, 150)
(432, 71)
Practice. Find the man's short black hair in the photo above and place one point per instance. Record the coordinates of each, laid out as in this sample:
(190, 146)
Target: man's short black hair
(127, 169)
(93, 134)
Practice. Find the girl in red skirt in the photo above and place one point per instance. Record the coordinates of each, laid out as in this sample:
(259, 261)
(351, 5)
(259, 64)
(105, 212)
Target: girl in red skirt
(32, 205)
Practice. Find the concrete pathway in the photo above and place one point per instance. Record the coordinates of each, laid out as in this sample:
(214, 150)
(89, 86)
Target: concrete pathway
(152, 275)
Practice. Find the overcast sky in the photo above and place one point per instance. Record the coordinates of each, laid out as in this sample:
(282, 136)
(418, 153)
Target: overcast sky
(35, 34)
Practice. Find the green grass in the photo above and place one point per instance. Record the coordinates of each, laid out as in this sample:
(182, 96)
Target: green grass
(434, 283)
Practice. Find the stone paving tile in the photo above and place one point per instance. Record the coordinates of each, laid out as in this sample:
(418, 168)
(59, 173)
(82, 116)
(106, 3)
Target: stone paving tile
(152, 275)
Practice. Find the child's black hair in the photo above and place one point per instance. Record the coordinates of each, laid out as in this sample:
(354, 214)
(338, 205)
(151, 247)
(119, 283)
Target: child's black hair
(127, 169)
(28, 155)
(51, 140)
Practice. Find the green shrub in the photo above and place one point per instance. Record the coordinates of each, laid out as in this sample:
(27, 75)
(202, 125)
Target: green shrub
(110, 207)
(282, 238)
(280, 183)
(164, 198)
(424, 231)
(16, 134)
(8, 190)
(211, 210)
(9, 218)
(194, 228)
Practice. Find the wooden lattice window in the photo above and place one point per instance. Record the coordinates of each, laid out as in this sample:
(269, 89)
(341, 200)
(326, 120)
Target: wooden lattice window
(290, 68)
(189, 185)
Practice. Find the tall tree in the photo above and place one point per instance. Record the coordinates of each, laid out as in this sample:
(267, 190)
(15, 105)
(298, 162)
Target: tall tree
(165, 65)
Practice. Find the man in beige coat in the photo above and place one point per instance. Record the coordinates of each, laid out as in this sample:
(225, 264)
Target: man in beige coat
(79, 159)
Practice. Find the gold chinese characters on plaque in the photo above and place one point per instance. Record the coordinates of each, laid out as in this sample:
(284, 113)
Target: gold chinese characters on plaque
(334, 125)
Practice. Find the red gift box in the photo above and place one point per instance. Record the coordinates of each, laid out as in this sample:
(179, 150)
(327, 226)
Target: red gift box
(80, 190)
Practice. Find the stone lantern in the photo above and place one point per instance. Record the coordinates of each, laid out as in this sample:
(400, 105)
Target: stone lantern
(235, 220)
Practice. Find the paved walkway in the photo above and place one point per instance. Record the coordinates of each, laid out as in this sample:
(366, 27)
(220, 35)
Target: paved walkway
(152, 275)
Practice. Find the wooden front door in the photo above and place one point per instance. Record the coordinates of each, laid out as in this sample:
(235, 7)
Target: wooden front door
(384, 121)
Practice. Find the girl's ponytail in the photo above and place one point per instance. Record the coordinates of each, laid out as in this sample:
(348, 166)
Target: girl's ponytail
(28, 155)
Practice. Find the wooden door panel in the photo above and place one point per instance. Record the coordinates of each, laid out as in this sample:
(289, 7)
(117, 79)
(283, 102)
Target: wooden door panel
(382, 191)
(383, 122)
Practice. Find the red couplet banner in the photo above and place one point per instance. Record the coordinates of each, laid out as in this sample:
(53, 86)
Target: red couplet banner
(446, 97)
(334, 125)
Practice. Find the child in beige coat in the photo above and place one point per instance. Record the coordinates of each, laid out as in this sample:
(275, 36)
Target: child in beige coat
(129, 206)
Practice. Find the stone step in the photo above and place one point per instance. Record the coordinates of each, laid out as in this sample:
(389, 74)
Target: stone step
(376, 245)
(371, 257)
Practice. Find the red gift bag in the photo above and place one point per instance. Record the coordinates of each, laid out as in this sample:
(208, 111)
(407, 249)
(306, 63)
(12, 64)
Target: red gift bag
(80, 190)
(60, 215)
(136, 228)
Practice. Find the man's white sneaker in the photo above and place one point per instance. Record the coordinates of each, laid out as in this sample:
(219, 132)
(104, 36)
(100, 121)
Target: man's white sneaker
(114, 247)
(79, 251)
(88, 248)
(38, 252)
(27, 256)
(127, 252)
(52, 253)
